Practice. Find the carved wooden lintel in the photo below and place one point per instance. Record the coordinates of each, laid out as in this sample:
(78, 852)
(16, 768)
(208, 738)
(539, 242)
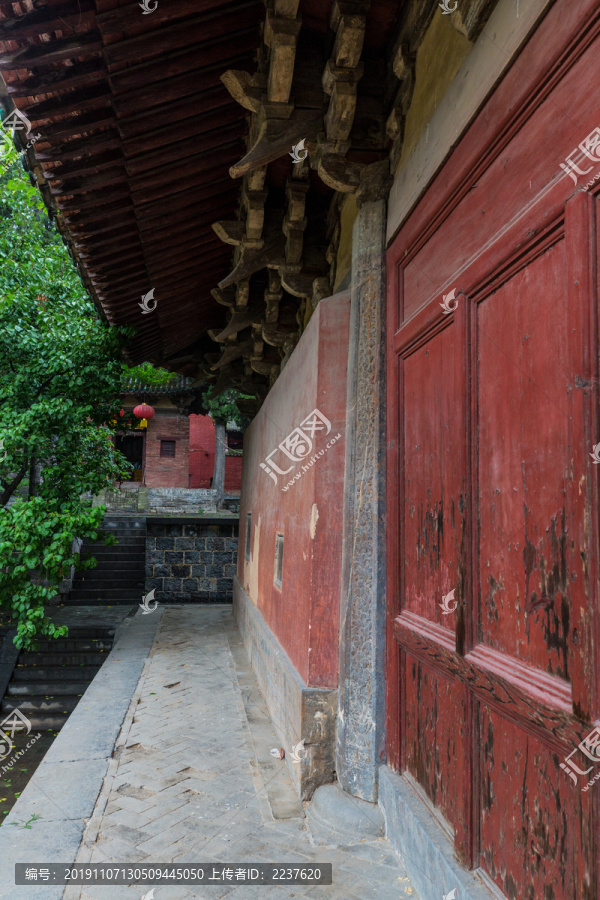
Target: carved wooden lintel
(297, 284)
(321, 289)
(230, 232)
(253, 260)
(225, 298)
(287, 349)
(350, 36)
(276, 137)
(281, 35)
(375, 182)
(231, 352)
(241, 318)
(471, 16)
(246, 89)
(339, 173)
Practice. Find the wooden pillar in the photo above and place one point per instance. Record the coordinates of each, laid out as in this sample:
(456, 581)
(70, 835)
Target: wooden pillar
(361, 737)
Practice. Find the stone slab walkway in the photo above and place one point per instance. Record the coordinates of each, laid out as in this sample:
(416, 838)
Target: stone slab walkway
(191, 779)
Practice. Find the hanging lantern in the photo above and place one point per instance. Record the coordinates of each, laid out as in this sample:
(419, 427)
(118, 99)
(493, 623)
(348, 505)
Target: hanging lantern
(144, 412)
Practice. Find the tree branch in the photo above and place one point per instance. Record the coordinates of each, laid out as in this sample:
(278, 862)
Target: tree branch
(14, 484)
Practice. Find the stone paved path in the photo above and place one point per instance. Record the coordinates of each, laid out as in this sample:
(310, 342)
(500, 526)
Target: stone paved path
(193, 781)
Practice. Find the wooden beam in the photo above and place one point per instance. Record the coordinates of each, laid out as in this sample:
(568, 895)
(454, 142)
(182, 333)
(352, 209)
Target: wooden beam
(193, 31)
(254, 260)
(471, 16)
(276, 137)
(245, 89)
(339, 173)
(78, 47)
(53, 82)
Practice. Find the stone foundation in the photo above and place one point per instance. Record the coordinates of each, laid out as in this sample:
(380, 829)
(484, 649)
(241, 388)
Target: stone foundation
(297, 710)
(191, 561)
(427, 853)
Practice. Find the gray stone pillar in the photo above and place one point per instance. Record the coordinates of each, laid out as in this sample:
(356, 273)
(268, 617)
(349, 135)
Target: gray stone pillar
(361, 712)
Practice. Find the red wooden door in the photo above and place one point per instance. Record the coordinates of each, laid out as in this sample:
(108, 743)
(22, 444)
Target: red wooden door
(493, 413)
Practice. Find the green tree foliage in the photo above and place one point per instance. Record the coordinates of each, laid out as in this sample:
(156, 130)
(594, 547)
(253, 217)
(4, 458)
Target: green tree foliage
(60, 378)
(223, 409)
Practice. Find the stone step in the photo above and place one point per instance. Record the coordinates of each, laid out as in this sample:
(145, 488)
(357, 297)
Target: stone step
(77, 645)
(95, 595)
(104, 581)
(59, 706)
(46, 688)
(124, 555)
(33, 658)
(59, 674)
(47, 723)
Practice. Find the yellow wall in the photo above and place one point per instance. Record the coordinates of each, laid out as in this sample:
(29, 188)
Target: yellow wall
(439, 58)
(348, 214)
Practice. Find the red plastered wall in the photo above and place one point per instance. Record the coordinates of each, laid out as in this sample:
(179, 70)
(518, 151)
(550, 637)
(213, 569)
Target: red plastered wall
(304, 613)
(202, 457)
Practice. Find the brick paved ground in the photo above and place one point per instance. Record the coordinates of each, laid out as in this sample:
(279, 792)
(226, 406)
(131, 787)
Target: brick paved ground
(192, 779)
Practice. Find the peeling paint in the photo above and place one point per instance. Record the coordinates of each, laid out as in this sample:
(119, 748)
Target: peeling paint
(314, 517)
(254, 565)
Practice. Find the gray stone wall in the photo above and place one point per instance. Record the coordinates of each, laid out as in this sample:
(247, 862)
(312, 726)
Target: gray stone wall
(191, 561)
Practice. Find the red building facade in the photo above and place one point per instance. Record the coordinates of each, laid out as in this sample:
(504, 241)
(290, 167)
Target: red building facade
(202, 457)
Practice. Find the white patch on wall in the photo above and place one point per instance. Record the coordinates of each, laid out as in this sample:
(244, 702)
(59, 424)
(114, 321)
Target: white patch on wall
(314, 517)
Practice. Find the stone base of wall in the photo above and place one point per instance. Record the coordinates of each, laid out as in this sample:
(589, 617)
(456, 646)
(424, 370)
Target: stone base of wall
(427, 853)
(191, 560)
(298, 711)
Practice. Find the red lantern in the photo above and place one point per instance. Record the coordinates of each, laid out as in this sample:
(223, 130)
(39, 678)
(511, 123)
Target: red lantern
(143, 411)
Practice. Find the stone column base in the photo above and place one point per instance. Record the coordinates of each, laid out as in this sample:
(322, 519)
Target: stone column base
(297, 710)
(337, 817)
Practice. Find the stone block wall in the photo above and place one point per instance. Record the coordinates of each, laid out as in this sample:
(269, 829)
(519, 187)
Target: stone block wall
(191, 561)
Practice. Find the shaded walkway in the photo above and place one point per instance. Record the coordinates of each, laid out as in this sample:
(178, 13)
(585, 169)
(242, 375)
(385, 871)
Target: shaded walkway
(195, 779)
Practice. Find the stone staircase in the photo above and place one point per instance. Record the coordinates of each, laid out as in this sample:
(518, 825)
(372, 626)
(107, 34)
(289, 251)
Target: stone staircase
(47, 684)
(120, 574)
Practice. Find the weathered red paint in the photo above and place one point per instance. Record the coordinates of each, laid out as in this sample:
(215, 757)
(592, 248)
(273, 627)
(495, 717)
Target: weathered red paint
(304, 612)
(493, 412)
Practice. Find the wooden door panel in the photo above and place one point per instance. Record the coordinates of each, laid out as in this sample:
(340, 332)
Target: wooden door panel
(518, 181)
(434, 529)
(436, 739)
(493, 412)
(532, 839)
(522, 463)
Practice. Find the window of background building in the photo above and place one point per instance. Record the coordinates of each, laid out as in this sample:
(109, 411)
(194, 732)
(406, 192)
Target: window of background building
(167, 448)
(278, 560)
(248, 533)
